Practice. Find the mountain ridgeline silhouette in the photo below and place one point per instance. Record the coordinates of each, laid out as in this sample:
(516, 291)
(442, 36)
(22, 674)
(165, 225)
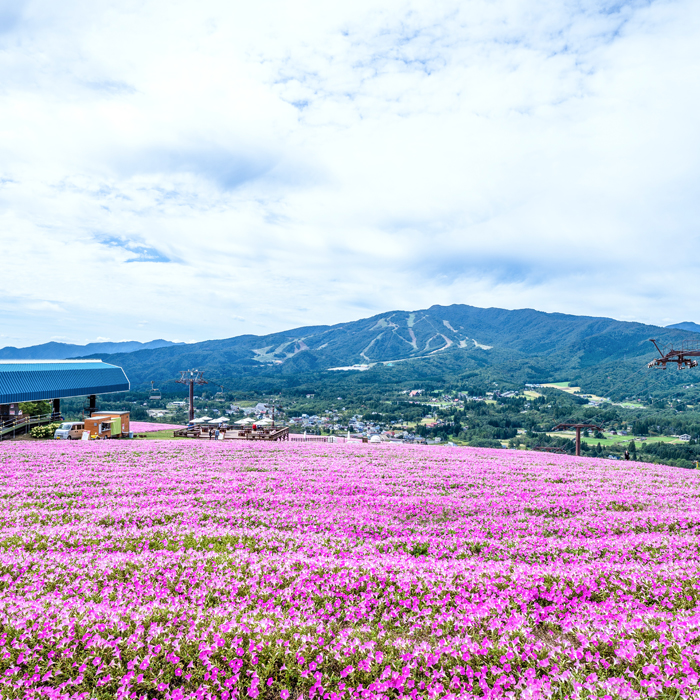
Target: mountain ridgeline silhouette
(63, 351)
(686, 326)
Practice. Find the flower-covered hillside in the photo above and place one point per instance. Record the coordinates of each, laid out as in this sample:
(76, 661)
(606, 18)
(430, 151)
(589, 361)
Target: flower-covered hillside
(203, 570)
(141, 427)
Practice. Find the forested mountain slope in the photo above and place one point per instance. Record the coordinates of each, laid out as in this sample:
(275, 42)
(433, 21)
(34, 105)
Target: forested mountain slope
(524, 344)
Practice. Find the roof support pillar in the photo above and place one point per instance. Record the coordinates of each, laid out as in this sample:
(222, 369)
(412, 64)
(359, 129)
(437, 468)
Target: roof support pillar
(578, 441)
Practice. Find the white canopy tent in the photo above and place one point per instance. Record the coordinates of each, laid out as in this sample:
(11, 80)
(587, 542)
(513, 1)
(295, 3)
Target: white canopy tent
(244, 421)
(203, 419)
(219, 420)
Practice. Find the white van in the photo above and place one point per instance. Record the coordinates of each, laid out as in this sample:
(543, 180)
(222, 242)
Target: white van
(69, 431)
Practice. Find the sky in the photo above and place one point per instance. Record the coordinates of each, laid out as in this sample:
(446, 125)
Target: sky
(190, 171)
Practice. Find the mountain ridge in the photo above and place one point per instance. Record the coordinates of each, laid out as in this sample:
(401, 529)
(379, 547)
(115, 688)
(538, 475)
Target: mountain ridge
(458, 338)
(686, 326)
(63, 351)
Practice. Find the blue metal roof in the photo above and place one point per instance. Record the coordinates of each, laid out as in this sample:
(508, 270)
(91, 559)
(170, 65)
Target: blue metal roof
(40, 380)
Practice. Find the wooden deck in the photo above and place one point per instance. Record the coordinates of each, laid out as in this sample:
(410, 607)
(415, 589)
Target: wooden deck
(208, 433)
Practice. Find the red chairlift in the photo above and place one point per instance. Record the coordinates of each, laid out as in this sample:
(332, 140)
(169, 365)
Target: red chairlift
(681, 356)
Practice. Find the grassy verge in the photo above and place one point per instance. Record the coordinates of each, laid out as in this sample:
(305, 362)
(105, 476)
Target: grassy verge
(159, 435)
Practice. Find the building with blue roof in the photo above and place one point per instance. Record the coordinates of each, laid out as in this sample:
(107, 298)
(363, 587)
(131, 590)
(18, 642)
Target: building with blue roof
(53, 380)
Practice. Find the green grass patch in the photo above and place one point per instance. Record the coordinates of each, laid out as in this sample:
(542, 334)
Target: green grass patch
(160, 435)
(625, 439)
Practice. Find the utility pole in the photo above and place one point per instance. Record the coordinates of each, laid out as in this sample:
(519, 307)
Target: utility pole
(191, 377)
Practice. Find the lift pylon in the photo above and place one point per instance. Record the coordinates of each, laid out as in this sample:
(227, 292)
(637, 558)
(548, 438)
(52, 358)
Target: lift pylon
(191, 377)
(578, 427)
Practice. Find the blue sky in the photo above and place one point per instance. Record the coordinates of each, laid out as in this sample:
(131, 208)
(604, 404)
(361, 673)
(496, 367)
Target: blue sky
(201, 170)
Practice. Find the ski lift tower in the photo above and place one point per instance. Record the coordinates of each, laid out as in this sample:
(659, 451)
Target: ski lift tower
(679, 356)
(578, 427)
(273, 407)
(191, 377)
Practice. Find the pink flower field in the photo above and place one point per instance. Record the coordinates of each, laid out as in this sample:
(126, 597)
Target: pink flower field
(267, 570)
(141, 427)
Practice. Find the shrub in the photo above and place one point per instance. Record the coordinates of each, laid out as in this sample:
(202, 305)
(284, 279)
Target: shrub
(43, 432)
(484, 442)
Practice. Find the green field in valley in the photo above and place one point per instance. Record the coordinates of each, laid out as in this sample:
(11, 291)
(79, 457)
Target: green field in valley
(620, 439)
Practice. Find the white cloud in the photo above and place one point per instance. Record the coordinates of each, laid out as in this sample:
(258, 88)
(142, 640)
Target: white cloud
(208, 169)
